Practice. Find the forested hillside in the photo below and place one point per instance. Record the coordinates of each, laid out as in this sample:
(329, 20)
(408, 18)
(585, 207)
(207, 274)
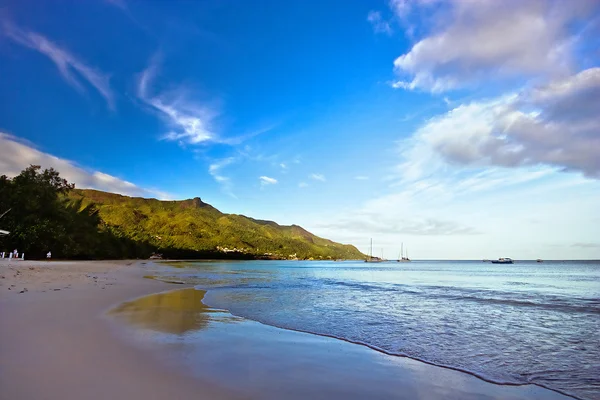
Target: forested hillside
(192, 225)
(49, 214)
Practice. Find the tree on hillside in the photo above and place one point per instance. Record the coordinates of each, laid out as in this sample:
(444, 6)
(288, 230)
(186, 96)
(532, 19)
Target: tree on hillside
(41, 219)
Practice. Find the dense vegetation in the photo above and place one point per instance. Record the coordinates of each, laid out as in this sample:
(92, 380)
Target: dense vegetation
(47, 213)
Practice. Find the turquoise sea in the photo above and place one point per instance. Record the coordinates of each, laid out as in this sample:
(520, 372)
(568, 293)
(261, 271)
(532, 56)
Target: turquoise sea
(513, 324)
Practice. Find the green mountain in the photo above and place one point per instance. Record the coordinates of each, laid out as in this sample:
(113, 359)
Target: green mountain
(192, 228)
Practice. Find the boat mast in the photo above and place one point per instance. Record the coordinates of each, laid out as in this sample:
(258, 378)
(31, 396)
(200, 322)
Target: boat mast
(371, 250)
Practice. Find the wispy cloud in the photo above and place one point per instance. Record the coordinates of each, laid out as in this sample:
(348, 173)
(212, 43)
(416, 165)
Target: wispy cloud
(118, 3)
(587, 245)
(72, 69)
(379, 24)
(302, 185)
(318, 177)
(361, 178)
(215, 170)
(189, 122)
(265, 180)
(379, 224)
(18, 155)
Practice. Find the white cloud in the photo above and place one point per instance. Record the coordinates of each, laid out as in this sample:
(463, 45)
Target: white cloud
(215, 168)
(72, 69)
(283, 166)
(18, 155)
(484, 179)
(216, 171)
(190, 122)
(458, 212)
(302, 185)
(318, 177)
(379, 24)
(265, 180)
(554, 124)
(474, 40)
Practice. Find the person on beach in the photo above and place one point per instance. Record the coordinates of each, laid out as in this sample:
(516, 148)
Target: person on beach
(49, 255)
(16, 253)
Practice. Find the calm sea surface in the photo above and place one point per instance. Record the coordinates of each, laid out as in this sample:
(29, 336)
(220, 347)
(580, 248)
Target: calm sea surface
(523, 323)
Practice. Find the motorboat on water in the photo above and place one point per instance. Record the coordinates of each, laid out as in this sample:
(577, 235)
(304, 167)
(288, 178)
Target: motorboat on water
(503, 260)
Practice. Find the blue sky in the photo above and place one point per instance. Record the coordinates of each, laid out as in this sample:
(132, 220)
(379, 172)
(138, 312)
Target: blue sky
(463, 129)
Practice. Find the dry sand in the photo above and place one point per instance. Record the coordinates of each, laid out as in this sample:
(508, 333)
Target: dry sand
(57, 342)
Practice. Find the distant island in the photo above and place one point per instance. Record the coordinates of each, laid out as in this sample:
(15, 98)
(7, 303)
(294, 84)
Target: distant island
(49, 214)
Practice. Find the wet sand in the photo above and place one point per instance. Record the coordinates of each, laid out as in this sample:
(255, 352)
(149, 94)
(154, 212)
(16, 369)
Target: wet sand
(62, 344)
(55, 342)
(271, 363)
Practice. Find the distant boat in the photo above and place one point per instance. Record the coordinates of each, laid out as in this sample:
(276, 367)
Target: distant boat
(539, 260)
(401, 257)
(503, 260)
(372, 259)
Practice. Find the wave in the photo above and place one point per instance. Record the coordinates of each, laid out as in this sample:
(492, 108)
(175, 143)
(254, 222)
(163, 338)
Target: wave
(476, 374)
(586, 305)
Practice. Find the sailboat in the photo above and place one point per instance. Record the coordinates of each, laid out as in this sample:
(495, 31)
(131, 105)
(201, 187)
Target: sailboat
(402, 257)
(370, 258)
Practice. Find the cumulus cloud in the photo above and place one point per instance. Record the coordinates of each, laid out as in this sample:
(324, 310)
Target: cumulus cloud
(189, 122)
(318, 177)
(554, 124)
(18, 155)
(474, 40)
(265, 180)
(72, 69)
(379, 24)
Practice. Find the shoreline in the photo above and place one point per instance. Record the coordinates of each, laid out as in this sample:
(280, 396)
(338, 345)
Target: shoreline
(56, 344)
(48, 334)
(390, 354)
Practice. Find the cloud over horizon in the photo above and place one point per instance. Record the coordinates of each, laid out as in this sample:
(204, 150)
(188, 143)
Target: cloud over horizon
(17, 155)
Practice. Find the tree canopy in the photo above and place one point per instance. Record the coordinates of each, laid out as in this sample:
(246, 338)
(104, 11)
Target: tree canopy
(47, 213)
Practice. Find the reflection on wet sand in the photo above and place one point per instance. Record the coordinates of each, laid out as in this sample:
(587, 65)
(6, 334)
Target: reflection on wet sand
(265, 362)
(176, 312)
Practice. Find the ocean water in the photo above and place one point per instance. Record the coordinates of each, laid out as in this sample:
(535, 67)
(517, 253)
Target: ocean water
(512, 324)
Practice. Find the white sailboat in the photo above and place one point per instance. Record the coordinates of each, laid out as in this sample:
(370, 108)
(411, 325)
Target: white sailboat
(402, 257)
(372, 259)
